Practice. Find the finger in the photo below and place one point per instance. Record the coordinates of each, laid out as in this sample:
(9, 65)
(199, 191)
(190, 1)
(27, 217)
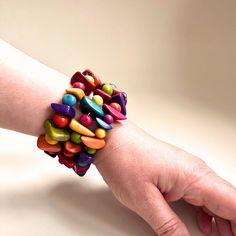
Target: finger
(223, 227)
(204, 221)
(233, 226)
(155, 210)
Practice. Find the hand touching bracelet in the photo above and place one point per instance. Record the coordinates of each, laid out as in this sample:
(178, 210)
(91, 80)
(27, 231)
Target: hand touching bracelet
(75, 140)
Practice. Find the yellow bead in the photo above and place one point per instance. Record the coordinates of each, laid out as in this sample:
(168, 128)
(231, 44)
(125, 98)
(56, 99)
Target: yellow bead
(79, 93)
(77, 127)
(90, 78)
(98, 99)
(50, 140)
(100, 133)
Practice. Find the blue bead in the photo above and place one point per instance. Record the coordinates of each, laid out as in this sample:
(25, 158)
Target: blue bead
(103, 124)
(69, 99)
(82, 163)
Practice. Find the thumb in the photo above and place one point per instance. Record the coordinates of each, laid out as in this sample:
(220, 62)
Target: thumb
(154, 209)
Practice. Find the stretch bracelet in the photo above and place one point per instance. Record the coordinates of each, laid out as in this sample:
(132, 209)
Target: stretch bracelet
(75, 138)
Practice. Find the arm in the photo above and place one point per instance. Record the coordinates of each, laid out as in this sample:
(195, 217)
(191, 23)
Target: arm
(144, 173)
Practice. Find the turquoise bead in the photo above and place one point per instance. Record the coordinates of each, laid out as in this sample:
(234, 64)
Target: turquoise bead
(103, 124)
(87, 105)
(69, 99)
(82, 163)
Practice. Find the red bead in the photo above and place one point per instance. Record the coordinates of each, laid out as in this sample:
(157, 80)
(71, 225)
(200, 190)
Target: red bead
(85, 120)
(60, 121)
(68, 153)
(79, 85)
(116, 106)
(108, 119)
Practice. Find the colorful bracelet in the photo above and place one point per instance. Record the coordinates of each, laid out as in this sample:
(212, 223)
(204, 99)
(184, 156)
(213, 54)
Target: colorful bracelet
(75, 140)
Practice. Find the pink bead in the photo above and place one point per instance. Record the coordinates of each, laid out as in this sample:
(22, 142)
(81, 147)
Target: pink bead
(85, 120)
(108, 119)
(79, 85)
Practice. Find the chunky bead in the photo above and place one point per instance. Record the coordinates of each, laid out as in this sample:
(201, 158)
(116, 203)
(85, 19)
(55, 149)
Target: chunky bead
(63, 109)
(108, 119)
(77, 127)
(90, 78)
(60, 121)
(105, 96)
(75, 137)
(69, 99)
(107, 88)
(49, 140)
(113, 85)
(121, 99)
(97, 81)
(87, 105)
(43, 145)
(116, 115)
(116, 106)
(93, 142)
(98, 99)
(67, 161)
(85, 120)
(79, 93)
(72, 147)
(80, 169)
(68, 153)
(56, 133)
(103, 124)
(100, 133)
(85, 158)
(79, 85)
(90, 151)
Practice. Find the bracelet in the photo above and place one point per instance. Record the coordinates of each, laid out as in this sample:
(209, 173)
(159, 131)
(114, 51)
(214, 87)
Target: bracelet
(75, 140)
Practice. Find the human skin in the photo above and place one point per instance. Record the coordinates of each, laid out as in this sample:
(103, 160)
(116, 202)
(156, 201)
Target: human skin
(144, 173)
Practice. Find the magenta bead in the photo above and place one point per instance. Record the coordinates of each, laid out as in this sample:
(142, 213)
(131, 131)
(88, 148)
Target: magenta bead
(85, 120)
(108, 119)
(79, 85)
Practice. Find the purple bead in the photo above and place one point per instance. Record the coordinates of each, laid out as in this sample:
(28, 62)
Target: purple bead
(108, 119)
(86, 158)
(63, 109)
(120, 99)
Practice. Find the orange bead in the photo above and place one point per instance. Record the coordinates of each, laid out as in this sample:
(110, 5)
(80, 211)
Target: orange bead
(72, 147)
(116, 106)
(42, 144)
(93, 142)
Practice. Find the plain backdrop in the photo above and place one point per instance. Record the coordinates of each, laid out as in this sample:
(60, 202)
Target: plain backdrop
(175, 59)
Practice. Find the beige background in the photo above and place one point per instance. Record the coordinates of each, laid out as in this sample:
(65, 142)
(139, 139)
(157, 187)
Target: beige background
(176, 59)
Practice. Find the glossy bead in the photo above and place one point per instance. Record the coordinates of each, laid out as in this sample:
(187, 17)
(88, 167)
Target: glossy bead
(120, 99)
(69, 99)
(43, 145)
(78, 169)
(105, 96)
(68, 153)
(93, 142)
(49, 140)
(79, 85)
(72, 147)
(87, 105)
(67, 161)
(85, 120)
(97, 81)
(79, 128)
(81, 174)
(103, 124)
(100, 133)
(116, 115)
(56, 133)
(60, 121)
(108, 119)
(98, 99)
(75, 137)
(107, 88)
(63, 109)
(90, 151)
(85, 158)
(90, 78)
(113, 85)
(79, 93)
(116, 106)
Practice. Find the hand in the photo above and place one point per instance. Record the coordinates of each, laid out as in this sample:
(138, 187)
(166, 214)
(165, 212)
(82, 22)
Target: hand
(145, 174)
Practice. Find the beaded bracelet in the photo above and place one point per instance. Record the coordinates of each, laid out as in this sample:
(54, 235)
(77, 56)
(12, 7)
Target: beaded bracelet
(74, 139)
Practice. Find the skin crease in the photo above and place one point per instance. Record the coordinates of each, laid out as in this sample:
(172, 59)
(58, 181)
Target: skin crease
(143, 172)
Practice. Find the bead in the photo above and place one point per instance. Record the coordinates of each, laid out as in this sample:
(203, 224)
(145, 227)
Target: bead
(116, 90)
(113, 85)
(43, 145)
(72, 147)
(107, 88)
(87, 105)
(68, 154)
(97, 81)
(69, 99)
(78, 169)
(108, 119)
(93, 142)
(103, 124)
(75, 137)
(51, 154)
(49, 140)
(85, 158)
(116, 106)
(63, 109)
(56, 133)
(98, 99)
(100, 133)
(79, 85)
(90, 151)
(105, 96)
(77, 127)
(79, 77)
(81, 174)
(60, 121)
(79, 93)
(116, 115)
(85, 120)
(120, 98)
(67, 161)
(90, 78)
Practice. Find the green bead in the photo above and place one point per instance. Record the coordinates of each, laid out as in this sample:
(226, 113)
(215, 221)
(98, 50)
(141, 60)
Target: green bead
(56, 133)
(90, 151)
(107, 88)
(75, 137)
